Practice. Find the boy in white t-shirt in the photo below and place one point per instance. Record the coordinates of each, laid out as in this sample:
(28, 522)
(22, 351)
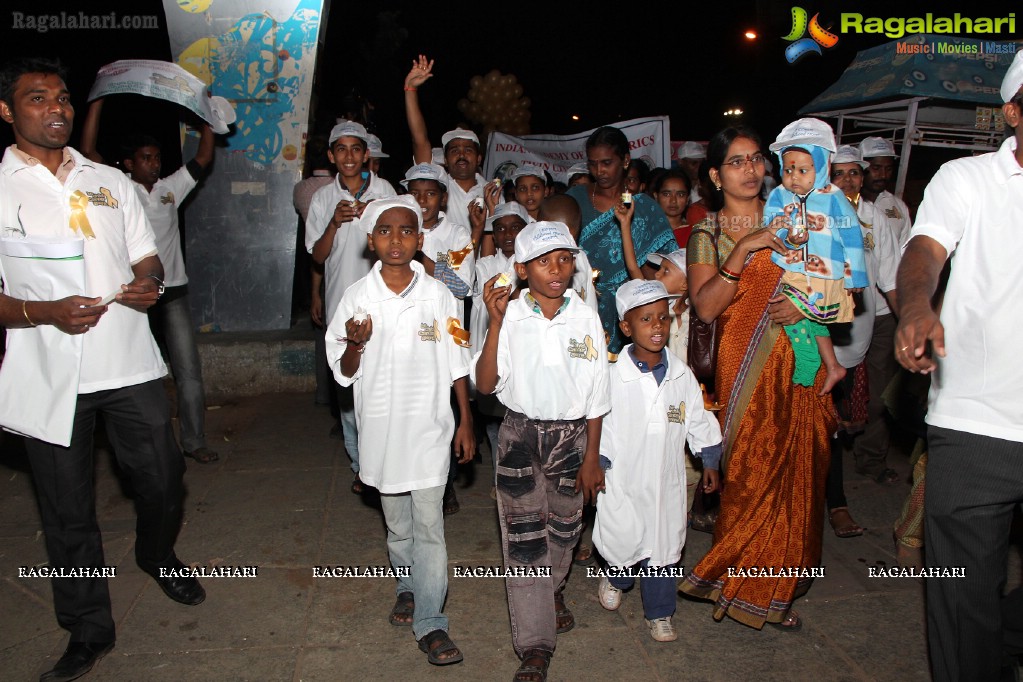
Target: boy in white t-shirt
(545, 357)
(656, 408)
(391, 340)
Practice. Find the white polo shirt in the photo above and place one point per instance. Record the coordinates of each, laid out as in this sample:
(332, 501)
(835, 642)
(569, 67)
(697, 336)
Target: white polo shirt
(973, 207)
(897, 212)
(641, 514)
(582, 280)
(161, 206)
(552, 369)
(350, 258)
(479, 318)
(450, 236)
(403, 384)
(120, 350)
(882, 255)
(457, 209)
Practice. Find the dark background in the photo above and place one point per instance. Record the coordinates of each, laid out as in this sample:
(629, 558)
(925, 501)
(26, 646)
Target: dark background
(689, 61)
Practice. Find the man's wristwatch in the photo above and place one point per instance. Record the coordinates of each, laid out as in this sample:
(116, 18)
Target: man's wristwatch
(162, 288)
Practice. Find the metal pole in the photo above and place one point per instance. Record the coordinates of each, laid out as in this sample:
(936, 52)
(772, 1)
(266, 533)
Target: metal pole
(907, 137)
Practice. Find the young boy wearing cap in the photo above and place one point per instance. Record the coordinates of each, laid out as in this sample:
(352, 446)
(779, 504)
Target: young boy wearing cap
(394, 339)
(447, 247)
(530, 188)
(656, 409)
(336, 240)
(545, 358)
(564, 209)
(825, 262)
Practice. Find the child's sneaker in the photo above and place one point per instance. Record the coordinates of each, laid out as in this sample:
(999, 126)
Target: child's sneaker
(609, 596)
(661, 629)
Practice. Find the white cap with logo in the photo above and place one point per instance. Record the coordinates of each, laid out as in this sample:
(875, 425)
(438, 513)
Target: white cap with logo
(458, 134)
(348, 129)
(426, 171)
(876, 146)
(1013, 80)
(506, 209)
(639, 292)
(542, 237)
(849, 154)
(692, 150)
(376, 148)
(676, 258)
(529, 171)
(805, 131)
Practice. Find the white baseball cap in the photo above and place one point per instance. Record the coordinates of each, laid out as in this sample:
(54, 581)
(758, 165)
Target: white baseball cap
(506, 209)
(375, 208)
(805, 131)
(876, 146)
(348, 129)
(580, 168)
(542, 237)
(376, 148)
(692, 150)
(677, 258)
(458, 134)
(529, 171)
(1013, 80)
(426, 171)
(637, 292)
(849, 154)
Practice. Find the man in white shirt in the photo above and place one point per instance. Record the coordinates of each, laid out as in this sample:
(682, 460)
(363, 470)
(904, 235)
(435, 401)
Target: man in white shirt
(336, 240)
(880, 156)
(51, 192)
(171, 317)
(973, 208)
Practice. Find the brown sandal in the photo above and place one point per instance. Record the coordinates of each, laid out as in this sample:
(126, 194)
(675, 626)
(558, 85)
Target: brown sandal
(533, 668)
(564, 618)
(404, 610)
(842, 523)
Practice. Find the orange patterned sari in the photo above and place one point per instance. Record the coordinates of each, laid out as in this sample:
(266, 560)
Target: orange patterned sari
(776, 455)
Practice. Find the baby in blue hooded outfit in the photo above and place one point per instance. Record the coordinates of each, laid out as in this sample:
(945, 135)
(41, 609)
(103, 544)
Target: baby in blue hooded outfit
(825, 263)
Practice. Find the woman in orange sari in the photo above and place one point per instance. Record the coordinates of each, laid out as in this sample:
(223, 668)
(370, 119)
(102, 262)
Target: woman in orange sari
(776, 445)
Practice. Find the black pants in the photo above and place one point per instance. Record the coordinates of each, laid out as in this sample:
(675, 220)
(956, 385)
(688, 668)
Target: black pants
(973, 484)
(137, 422)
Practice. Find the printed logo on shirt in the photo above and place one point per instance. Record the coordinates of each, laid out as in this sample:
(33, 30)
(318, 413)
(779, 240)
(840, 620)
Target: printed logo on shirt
(102, 198)
(428, 333)
(868, 241)
(677, 415)
(167, 198)
(893, 213)
(582, 350)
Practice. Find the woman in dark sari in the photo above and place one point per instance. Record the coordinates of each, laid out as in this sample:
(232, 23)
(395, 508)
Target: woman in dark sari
(776, 433)
(607, 152)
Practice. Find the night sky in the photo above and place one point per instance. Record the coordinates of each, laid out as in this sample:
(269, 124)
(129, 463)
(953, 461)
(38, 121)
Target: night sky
(602, 65)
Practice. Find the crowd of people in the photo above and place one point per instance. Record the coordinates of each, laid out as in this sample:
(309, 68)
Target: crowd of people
(554, 321)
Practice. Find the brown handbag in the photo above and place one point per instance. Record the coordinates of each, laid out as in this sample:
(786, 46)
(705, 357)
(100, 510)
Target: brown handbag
(703, 336)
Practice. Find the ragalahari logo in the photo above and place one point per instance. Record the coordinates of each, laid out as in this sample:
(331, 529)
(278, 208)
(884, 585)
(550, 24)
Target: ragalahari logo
(800, 47)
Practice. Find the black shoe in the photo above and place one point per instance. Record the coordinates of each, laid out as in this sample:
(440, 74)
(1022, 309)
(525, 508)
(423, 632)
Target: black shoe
(182, 589)
(78, 659)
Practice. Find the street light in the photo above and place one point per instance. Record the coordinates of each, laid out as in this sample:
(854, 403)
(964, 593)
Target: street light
(750, 35)
(733, 112)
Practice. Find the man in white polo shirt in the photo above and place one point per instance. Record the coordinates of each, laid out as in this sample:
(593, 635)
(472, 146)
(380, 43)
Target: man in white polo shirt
(52, 193)
(973, 208)
(880, 156)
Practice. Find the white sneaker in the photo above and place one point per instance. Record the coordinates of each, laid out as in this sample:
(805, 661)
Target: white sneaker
(661, 629)
(609, 596)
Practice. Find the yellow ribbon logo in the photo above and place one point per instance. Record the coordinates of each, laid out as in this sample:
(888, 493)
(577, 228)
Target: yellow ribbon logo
(79, 221)
(459, 335)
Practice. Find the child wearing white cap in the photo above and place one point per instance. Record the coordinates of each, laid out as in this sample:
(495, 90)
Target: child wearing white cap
(335, 238)
(824, 263)
(656, 409)
(396, 339)
(530, 188)
(448, 253)
(544, 356)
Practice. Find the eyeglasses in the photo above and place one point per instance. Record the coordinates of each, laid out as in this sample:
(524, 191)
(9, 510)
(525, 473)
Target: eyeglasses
(739, 162)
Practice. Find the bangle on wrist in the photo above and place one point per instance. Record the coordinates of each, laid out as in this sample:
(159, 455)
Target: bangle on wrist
(408, 89)
(727, 280)
(728, 275)
(24, 311)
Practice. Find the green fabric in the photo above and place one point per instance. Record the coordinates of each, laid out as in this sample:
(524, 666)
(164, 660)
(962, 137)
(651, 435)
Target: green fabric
(803, 337)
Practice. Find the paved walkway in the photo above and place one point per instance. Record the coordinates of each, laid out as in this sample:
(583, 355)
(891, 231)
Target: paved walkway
(279, 499)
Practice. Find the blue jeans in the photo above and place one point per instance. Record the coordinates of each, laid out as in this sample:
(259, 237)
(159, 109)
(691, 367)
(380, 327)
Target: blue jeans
(349, 427)
(658, 592)
(173, 323)
(415, 538)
